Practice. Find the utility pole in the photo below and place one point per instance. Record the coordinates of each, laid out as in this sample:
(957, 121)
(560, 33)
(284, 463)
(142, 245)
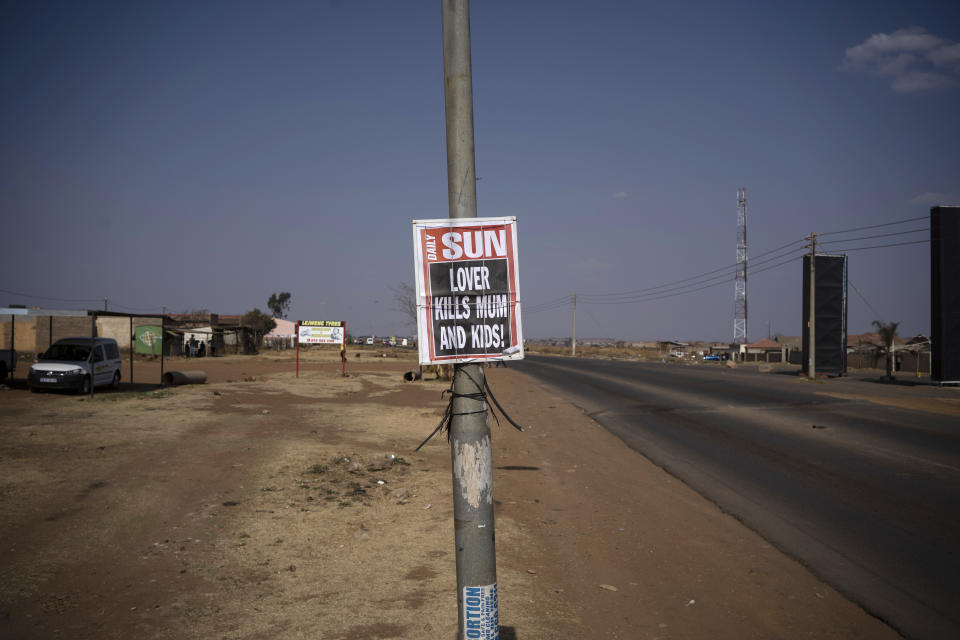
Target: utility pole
(574, 325)
(812, 316)
(470, 450)
(104, 304)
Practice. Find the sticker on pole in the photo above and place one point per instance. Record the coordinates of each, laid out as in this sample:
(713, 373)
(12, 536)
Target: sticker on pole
(321, 331)
(480, 613)
(468, 290)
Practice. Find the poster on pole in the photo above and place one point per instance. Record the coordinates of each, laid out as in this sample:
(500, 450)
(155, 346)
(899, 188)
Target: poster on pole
(321, 331)
(468, 290)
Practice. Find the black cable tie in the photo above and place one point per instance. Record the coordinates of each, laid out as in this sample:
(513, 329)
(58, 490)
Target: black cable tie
(446, 417)
(505, 414)
(479, 396)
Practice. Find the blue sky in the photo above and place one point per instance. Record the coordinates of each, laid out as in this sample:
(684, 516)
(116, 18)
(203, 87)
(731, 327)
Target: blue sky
(206, 155)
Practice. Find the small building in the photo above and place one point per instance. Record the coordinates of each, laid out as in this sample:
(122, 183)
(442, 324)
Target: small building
(282, 336)
(765, 350)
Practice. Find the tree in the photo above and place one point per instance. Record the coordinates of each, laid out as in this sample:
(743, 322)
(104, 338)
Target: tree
(260, 323)
(887, 332)
(279, 304)
(406, 298)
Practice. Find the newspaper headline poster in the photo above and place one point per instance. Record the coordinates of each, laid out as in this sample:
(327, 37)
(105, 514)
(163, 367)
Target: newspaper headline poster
(468, 293)
(321, 331)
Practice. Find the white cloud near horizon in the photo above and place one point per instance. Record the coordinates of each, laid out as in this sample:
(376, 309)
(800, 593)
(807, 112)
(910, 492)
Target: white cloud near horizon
(933, 198)
(913, 60)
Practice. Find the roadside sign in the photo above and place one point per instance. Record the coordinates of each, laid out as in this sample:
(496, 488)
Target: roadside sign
(468, 293)
(321, 331)
(147, 340)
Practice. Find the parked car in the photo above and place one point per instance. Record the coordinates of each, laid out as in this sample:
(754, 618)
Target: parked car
(8, 363)
(76, 363)
(711, 357)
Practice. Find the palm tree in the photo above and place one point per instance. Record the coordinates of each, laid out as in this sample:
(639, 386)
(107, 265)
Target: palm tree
(887, 332)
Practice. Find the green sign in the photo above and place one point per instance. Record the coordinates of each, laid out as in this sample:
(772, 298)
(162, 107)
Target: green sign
(148, 340)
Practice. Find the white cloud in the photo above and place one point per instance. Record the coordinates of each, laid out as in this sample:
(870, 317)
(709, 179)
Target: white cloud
(620, 194)
(932, 198)
(920, 81)
(946, 55)
(913, 59)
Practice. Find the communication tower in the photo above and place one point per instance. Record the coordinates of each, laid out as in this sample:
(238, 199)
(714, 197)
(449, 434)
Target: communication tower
(740, 282)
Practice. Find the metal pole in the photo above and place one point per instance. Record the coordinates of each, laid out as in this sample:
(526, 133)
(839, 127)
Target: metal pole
(574, 325)
(893, 359)
(470, 450)
(93, 348)
(298, 349)
(163, 339)
(811, 320)
(132, 347)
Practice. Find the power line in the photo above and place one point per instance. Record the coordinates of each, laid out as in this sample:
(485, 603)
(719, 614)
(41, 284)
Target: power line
(882, 246)
(565, 298)
(879, 235)
(657, 296)
(875, 312)
(876, 226)
(701, 282)
(76, 300)
(695, 277)
(656, 291)
(27, 295)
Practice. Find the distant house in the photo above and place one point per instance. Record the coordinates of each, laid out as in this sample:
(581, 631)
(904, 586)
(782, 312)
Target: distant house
(282, 336)
(719, 348)
(765, 350)
(867, 351)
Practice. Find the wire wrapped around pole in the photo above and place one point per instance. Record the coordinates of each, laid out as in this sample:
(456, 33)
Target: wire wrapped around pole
(480, 395)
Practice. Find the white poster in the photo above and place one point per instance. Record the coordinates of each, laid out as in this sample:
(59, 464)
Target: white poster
(321, 331)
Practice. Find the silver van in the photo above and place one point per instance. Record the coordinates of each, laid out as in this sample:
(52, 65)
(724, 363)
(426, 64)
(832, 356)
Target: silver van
(75, 363)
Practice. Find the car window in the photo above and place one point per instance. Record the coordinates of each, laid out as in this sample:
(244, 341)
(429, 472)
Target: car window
(67, 352)
(113, 353)
(98, 353)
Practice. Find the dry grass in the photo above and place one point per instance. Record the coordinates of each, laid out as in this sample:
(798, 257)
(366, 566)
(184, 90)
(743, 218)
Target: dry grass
(621, 352)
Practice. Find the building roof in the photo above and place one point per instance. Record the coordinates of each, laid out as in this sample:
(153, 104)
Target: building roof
(872, 338)
(284, 328)
(766, 343)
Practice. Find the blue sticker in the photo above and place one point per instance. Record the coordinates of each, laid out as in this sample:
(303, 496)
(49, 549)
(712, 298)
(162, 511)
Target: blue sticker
(481, 619)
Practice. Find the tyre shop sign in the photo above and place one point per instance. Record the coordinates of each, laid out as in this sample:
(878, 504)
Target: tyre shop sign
(321, 331)
(468, 294)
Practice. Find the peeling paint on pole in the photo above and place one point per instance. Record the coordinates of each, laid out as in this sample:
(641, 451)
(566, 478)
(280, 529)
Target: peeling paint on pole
(473, 469)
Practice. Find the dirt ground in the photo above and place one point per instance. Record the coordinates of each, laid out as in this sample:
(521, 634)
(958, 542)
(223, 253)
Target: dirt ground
(262, 505)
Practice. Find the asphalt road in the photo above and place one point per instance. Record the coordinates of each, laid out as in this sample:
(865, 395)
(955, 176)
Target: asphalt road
(866, 496)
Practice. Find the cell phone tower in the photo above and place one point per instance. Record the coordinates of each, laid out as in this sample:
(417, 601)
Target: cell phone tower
(740, 281)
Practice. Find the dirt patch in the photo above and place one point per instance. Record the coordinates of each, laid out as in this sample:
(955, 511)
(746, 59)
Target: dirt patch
(941, 406)
(266, 505)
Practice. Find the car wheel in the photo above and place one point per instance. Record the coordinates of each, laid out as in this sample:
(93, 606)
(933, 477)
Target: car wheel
(116, 381)
(3, 372)
(84, 388)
